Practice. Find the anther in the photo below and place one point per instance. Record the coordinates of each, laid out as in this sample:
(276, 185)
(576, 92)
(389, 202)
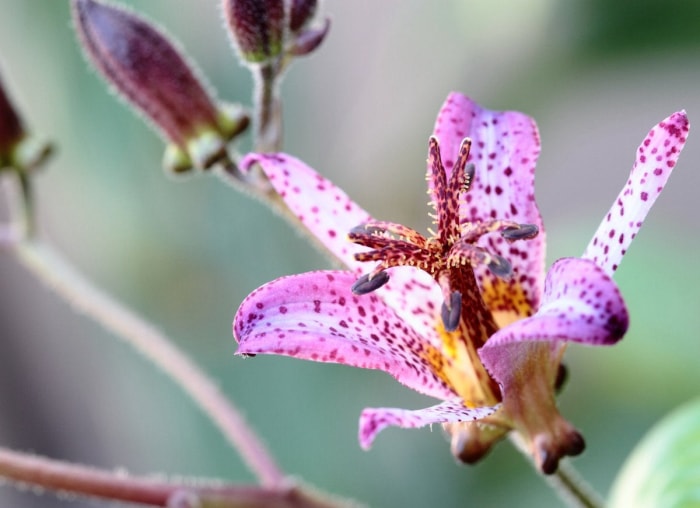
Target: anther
(363, 230)
(500, 266)
(520, 232)
(469, 171)
(452, 313)
(369, 282)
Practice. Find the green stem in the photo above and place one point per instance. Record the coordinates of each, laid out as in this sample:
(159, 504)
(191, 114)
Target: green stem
(568, 483)
(268, 109)
(572, 488)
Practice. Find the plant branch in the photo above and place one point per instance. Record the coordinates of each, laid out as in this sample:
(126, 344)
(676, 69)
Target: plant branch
(268, 108)
(573, 488)
(86, 481)
(48, 266)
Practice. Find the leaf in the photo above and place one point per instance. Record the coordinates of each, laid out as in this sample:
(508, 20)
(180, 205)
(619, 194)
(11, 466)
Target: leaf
(664, 468)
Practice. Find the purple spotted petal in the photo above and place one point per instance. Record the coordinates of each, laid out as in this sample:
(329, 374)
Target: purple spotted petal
(315, 316)
(321, 206)
(374, 420)
(330, 214)
(581, 303)
(505, 147)
(656, 158)
(416, 298)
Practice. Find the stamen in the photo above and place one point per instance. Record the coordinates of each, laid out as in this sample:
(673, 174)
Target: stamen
(369, 282)
(452, 313)
(469, 171)
(365, 229)
(520, 232)
(500, 266)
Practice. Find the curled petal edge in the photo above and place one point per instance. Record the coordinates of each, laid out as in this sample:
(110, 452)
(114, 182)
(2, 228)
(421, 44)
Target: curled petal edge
(374, 420)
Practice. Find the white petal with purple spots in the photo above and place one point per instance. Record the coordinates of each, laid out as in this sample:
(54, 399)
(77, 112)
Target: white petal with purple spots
(374, 420)
(505, 147)
(315, 316)
(656, 158)
(321, 207)
(581, 303)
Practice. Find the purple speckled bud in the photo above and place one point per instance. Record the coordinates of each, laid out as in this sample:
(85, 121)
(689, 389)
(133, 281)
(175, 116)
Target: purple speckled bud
(147, 69)
(301, 12)
(11, 128)
(17, 148)
(256, 27)
(309, 39)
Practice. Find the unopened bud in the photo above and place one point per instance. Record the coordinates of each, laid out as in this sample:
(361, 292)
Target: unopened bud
(256, 28)
(18, 149)
(471, 441)
(308, 40)
(301, 12)
(147, 69)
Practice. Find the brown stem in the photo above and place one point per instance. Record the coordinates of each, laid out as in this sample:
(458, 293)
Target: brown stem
(566, 481)
(268, 109)
(54, 271)
(47, 265)
(75, 479)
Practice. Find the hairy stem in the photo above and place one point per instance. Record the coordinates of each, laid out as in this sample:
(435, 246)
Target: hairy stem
(75, 479)
(566, 481)
(47, 265)
(268, 109)
(573, 488)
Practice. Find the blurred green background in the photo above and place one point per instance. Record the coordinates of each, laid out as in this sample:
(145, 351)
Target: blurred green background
(596, 76)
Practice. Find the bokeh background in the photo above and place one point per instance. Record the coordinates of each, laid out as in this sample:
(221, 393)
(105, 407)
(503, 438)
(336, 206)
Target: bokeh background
(596, 75)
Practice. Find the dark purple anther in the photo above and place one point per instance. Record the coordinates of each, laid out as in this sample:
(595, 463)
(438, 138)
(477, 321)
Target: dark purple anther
(521, 232)
(452, 312)
(500, 266)
(368, 283)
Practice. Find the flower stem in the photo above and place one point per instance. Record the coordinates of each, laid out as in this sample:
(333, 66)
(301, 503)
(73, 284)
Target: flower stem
(268, 108)
(59, 476)
(566, 481)
(572, 488)
(47, 265)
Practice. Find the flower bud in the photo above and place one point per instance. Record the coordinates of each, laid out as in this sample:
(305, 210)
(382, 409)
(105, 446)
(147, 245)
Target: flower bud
(308, 40)
(151, 74)
(18, 149)
(256, 28)
(301, 12)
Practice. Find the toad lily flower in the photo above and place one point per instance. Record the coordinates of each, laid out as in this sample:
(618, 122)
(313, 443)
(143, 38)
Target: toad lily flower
(466, 315)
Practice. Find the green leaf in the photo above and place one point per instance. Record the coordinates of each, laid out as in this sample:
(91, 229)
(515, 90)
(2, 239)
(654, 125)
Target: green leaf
(664, 468)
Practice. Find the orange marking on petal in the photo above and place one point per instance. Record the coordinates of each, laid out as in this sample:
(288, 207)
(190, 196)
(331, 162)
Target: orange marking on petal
(506, 300)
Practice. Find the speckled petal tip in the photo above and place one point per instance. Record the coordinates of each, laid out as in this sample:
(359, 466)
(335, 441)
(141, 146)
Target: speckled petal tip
(581, 303)
(656, 158)
(504, 150)
(315, 316)
(374, 420)
(322, 207)
(330, 214)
